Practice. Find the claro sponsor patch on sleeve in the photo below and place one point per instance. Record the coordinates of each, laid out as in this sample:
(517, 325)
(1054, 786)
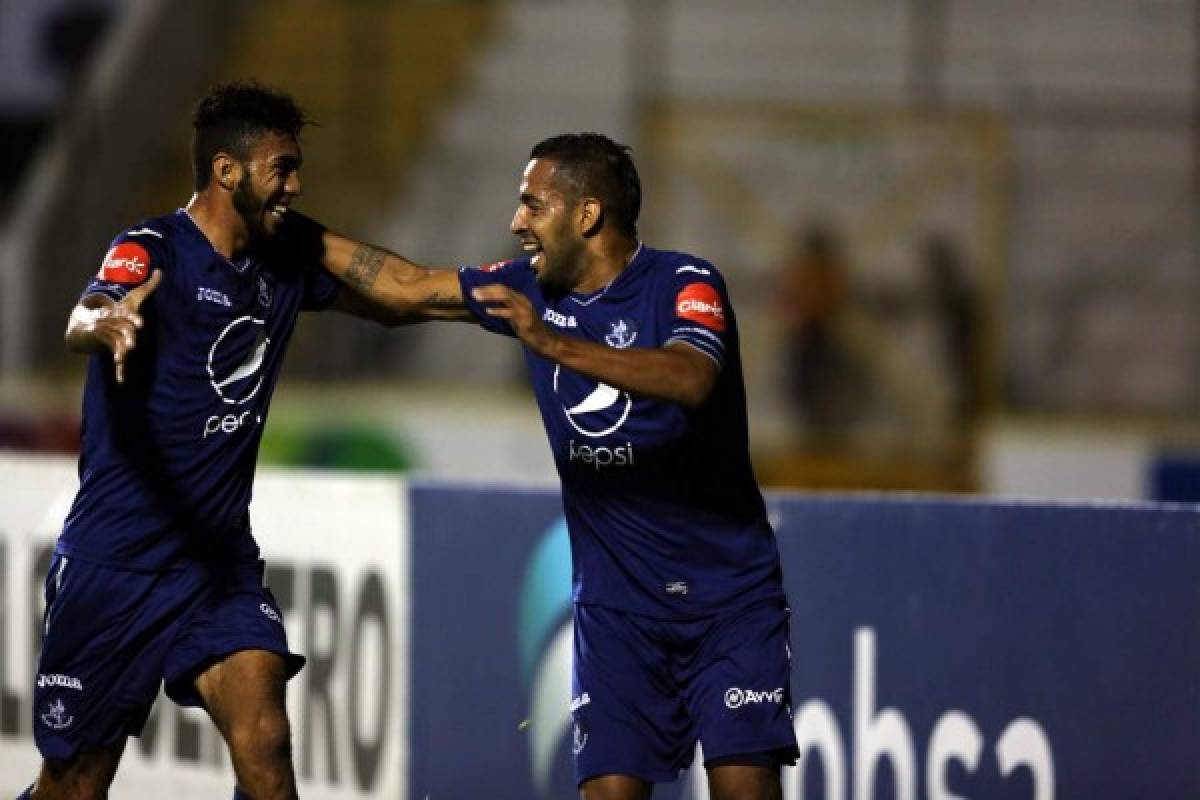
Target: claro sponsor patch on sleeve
(700, 303)
(127, 262)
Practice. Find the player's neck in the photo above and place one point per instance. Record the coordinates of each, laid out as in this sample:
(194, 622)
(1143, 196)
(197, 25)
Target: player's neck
(606, 259)
(219, 222)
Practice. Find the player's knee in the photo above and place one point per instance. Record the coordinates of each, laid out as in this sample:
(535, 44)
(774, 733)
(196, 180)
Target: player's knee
(747, 793)
(265, 739)
(744, 784)
(70, 787)
(85, 777)
(72, 790)
(615, 787)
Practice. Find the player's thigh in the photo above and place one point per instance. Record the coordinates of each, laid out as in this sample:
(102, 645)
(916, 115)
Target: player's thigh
(245, 692)
(232, 658)
(628, 718)
(741, 782)
(87, 775)
(739, 692)
(615, 787)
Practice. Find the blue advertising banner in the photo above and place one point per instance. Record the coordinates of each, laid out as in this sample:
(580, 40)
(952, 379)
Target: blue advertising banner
(941, 649)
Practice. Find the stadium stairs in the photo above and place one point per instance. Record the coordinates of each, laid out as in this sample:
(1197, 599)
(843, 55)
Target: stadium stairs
(372, 74)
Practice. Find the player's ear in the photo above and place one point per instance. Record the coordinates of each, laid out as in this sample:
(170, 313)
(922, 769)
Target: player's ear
(589, 216)
(226, 171)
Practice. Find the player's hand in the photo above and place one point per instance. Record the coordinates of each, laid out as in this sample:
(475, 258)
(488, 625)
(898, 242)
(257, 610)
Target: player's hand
(501, 301)
(116, 326)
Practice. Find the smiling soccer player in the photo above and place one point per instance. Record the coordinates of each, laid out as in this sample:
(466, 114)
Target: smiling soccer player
(156, 576)
(681, 623)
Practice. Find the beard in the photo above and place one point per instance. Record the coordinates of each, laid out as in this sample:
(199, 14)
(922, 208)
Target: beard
(560, 271)
(250, 208)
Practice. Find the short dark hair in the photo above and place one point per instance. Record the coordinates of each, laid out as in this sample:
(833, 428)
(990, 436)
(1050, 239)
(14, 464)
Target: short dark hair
(231, 118)
(593, 164)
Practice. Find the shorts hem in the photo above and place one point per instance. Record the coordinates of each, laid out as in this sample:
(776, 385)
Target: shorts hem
(60, 750)
(632, 773)
(785, 752)
(179, 686)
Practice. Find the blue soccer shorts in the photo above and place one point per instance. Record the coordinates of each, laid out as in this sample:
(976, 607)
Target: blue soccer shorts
(112, 637)
(645, 690)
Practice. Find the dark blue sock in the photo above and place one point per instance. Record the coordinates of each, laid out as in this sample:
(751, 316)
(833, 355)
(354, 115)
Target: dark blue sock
(238, 794)
(25, 794)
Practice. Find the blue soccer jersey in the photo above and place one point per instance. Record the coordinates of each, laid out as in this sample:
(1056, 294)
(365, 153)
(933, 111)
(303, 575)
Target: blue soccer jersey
(663, 510)
(167, 458)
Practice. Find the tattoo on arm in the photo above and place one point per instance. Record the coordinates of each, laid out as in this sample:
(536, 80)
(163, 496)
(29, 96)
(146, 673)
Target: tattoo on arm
(364, 267)
(440, 300)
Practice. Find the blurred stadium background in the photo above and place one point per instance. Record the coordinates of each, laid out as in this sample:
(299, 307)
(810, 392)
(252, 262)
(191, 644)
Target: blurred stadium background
(962, 236)
(1009, 190)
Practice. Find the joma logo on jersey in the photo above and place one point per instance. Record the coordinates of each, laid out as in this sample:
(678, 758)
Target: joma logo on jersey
(212, 296)
(65, 681)
(561, 320)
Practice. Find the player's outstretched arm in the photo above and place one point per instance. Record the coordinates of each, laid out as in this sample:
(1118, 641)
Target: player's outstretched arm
(100, 322)
(677, 373)
(406, 290)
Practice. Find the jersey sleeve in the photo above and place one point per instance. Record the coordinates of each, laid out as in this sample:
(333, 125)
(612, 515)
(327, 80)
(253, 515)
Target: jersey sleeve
(320, 289)
(516, 274)
(699, 313)
(130, 259)
(298, 247)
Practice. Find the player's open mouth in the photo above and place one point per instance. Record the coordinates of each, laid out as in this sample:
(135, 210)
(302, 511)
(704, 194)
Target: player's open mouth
(535, 249)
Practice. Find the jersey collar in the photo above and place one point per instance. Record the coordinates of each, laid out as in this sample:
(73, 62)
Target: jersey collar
(635, 265)
(241, 266)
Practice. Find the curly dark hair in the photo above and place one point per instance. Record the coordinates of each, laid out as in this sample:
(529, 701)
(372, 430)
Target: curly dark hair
(593, 164)
(231, 118)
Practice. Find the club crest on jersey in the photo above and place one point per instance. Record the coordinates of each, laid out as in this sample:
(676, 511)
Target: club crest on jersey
(264, 292)
(700, 303)
(495, 265)
(579, 739)
(127, 262)
(55, 716)
(621, 335)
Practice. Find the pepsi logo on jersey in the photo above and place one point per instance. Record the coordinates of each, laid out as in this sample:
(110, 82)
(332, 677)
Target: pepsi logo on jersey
(700, 303)
(125, 263)
(235, 371)
(595, 410)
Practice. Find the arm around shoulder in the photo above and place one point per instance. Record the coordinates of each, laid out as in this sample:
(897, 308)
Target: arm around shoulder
(406, 290)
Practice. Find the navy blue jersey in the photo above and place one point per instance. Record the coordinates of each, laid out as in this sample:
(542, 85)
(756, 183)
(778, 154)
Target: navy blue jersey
(665, 516)
(167, 458)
